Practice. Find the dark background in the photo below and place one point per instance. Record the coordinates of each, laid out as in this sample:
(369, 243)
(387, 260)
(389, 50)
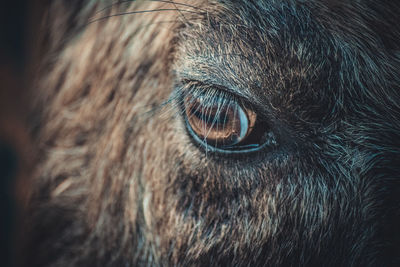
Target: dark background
(14, 16)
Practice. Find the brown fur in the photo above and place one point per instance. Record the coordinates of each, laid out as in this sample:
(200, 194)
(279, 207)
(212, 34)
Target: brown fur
(120, 183)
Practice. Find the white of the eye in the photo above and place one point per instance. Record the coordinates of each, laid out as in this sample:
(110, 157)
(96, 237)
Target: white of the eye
(244, 124)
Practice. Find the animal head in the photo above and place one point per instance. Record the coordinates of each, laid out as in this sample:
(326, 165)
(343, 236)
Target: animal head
(243, 133)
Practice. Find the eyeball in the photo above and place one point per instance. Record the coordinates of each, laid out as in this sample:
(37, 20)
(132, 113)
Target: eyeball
(221, 123)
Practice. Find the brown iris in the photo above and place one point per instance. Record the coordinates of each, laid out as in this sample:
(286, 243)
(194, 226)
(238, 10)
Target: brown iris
(219, 121)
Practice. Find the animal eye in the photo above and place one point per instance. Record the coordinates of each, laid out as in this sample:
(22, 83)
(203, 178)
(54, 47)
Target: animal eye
(222, 123)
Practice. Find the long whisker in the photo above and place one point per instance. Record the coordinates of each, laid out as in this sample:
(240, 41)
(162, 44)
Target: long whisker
(140, 12)
(161, 1)
(180, 12)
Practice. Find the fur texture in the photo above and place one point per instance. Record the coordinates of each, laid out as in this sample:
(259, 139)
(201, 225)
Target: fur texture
(120, 183)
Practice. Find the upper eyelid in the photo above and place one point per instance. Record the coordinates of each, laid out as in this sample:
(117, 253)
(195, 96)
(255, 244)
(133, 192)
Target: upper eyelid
(186, 84)
(211, 79)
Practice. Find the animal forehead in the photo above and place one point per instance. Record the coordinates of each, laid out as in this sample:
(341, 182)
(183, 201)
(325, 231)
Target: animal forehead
(254, 48)
(304, 50)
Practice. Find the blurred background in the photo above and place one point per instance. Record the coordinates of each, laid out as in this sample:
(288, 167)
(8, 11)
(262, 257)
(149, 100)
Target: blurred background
(19, 19)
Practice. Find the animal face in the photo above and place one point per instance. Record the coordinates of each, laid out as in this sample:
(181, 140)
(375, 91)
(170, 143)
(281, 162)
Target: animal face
(249, 133)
